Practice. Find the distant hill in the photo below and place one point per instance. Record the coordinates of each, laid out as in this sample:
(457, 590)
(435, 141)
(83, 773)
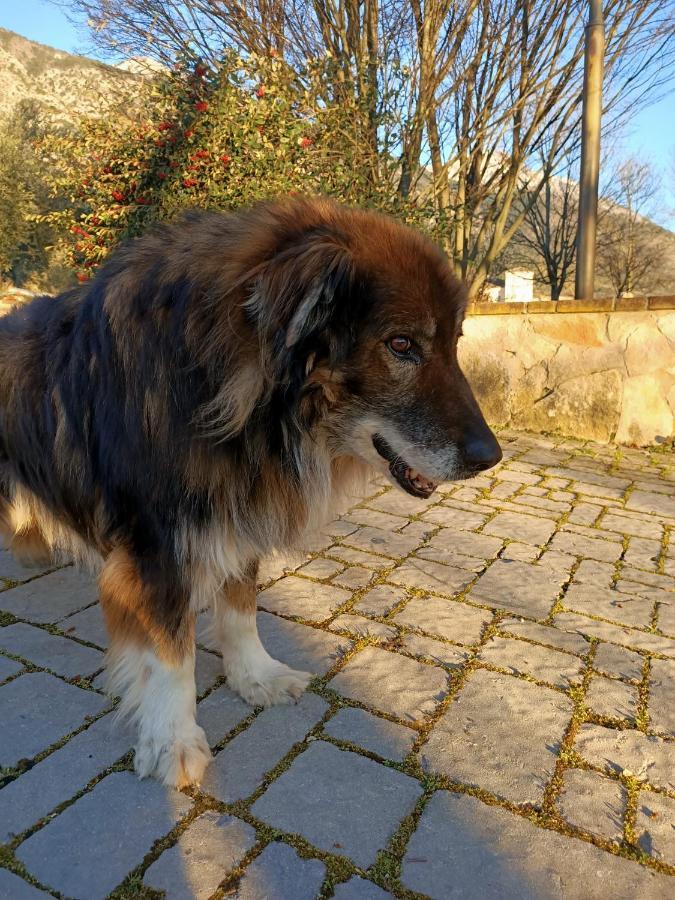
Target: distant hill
(65, 86)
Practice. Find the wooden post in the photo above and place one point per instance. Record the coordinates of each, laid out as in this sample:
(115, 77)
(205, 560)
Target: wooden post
(590, 152)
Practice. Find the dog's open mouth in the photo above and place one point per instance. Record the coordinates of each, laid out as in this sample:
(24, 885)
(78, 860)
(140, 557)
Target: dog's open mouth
(411, 481)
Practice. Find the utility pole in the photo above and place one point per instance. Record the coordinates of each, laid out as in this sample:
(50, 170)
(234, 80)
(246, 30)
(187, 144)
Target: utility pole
(590, 151)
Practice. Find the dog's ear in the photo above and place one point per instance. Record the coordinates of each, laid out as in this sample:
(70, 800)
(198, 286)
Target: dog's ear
(304, 298)
(306, 304)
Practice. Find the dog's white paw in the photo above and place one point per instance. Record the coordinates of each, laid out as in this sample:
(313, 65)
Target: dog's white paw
(270, 685)
(177, 763)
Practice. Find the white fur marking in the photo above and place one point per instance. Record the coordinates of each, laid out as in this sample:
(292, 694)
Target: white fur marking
(258, 678)
(161, 702)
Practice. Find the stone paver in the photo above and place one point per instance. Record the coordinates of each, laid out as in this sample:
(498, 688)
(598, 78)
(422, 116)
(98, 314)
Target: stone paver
(280, 874)
(300, 646)
(457, 622)
(239, 768)
(655, 826)
(521, 527)
(300, 597)
(609, 604)
(618, 661)
(593, 803)
(591, 571)
(559, 669)
(87, 625)
(449, 557)
(434, 651)
(387, 739)
(353, 557)
(203, 856)
(543, 634)
(385, 543)
(608, 697)
(662, 696)
(14, 888)
(9, 667)
(428, 575)
(648, 758)
(37, 710)
(616, 634)
(517, 587)
(451, 635)
(208, 669)
(354, 578)
(56, 778)
(12, 570)
(220, 712)
(584, 545)
(90, 847)
(392, 683)
(334, 797)
(50, 651)
(51, 597)
(321, 568)
(463, 848)
(466, 543)
(502, 734)
(363, 627)
(646, 501)
(380, 600)
(455, 518)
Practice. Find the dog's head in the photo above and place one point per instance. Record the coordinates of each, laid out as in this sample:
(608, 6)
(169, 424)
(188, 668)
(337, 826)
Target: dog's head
(364, 316)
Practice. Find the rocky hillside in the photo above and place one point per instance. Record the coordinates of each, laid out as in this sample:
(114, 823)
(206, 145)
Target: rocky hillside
(64, 85)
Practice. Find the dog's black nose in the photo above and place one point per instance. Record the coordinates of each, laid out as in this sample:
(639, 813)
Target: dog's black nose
(482, 451)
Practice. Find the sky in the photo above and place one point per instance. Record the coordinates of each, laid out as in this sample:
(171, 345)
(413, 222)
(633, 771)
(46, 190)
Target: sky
(651, 136)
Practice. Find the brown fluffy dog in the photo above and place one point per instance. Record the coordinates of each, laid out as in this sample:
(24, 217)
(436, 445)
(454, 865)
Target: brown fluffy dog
(198, 405)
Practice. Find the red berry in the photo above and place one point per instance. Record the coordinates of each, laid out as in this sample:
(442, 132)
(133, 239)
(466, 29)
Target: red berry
(260, 92)
(161, 176)
(305, 142)
(200, 154)
(201, 105)
(82, 276)
(164, 126)
(189, 133)
(225, 159)
(118, 195)
(189, 182)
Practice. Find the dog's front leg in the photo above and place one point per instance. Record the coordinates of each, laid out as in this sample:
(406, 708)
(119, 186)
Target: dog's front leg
(250, 670)
(151, 666)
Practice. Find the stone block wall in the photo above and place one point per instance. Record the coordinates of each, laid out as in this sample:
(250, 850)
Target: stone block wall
(601, 370)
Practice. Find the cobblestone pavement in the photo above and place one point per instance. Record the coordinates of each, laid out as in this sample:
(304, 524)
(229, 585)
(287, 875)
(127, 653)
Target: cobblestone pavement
(493, 713)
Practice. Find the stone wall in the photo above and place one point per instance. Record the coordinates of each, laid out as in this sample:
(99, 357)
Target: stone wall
(602, 370)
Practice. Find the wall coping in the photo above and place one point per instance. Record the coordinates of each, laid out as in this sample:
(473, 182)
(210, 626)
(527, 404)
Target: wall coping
(596, 305)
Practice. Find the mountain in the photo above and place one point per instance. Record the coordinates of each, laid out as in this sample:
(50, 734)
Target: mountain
(65, 86)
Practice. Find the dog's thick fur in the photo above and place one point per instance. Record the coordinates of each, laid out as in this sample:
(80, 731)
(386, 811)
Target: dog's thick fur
(199, 404)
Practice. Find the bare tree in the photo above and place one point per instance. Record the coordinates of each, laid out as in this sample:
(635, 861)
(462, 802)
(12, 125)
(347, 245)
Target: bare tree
(456, 97)
(548, 234)
(629, 245)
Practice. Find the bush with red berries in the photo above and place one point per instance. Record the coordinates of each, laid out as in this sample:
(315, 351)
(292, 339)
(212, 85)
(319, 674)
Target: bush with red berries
(219, 139)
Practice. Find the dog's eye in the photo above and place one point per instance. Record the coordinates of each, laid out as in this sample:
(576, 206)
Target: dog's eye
(399, 345)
